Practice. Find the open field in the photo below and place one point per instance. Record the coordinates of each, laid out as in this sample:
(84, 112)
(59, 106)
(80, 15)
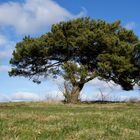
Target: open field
(56, 121)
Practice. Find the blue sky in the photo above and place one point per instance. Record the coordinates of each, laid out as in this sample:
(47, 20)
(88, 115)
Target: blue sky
(35, 17)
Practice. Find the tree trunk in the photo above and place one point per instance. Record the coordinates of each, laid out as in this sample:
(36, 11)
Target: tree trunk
(75, 93)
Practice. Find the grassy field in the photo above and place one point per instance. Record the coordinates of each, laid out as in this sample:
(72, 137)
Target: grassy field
(56, 121)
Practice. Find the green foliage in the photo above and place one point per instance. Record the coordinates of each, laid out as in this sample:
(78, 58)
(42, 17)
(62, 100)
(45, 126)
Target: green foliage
(80, 50)
(136, 55)
(76, 73)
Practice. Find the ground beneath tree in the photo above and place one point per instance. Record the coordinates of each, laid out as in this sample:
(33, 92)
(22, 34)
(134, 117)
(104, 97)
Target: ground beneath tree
(57, 121)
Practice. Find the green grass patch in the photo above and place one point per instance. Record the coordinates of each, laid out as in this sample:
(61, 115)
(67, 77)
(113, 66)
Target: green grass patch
(57, 121)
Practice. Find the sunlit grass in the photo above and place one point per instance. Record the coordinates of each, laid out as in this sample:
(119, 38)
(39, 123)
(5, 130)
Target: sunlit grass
(57, 121)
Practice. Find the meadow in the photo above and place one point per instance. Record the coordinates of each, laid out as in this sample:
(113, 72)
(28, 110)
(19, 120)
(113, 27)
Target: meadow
(58, 121)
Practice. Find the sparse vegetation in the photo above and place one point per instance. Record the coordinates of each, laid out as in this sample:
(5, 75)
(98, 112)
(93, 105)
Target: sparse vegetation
(56, 121)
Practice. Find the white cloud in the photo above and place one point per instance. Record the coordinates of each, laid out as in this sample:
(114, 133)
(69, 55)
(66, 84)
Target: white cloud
(58, 96)
(130, 25)
(29, 96)
(129, 98)
(4, 98)
(58, 81)
(99, 84)
(6, 47)
(3, 40)
(96, 96)
(54, 96)
(6, 53)
(25, 96)
(4, 68)
(33, 16)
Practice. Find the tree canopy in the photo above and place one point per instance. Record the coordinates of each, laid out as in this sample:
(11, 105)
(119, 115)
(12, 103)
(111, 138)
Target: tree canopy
(80, 50)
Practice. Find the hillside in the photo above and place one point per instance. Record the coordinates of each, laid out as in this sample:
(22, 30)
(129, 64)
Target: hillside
(57, 121)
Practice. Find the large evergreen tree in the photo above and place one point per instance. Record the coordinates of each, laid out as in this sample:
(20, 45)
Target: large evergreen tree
(80, 50)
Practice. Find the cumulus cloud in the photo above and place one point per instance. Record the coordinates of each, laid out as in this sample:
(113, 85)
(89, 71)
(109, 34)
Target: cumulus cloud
(30, 96)
(129, 98)
(58, 81)
(4, 98)
(58, 96)
(54, 96)
(25, 96)
(4, 68)
(3, 40)
(5, 53)
(97, 96)
(32, 16)
(6, 47)
(130, 25)
(99, 84)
